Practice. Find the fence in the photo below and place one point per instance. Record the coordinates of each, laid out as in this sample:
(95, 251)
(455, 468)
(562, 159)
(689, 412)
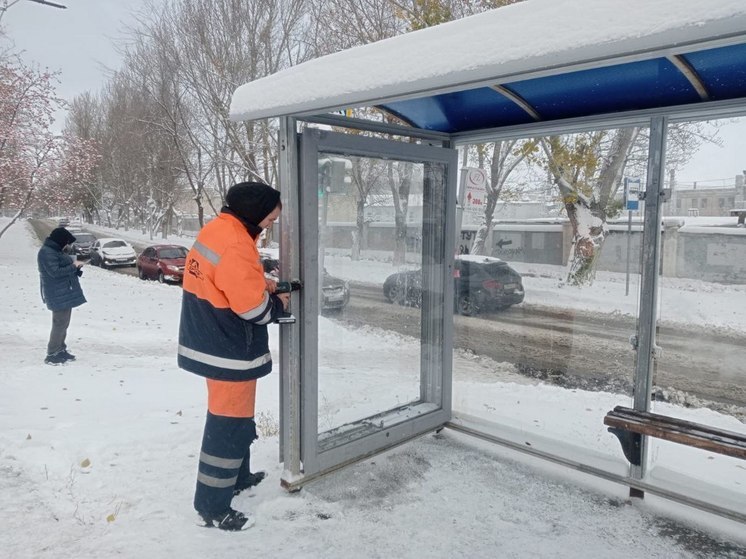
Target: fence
(715, 254)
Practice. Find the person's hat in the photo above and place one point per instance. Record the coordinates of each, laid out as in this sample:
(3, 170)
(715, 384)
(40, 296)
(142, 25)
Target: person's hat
(252, 201)
(62, 237)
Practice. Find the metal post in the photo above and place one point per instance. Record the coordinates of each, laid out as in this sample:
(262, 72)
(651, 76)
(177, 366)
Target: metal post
(649, 281)
(290, 334)
(461, 195)
(629, 248)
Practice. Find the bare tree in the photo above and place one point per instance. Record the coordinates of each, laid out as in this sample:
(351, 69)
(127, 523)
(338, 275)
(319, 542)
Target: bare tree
(367, 177)
(399, 175)
(342, 24)
(588, 169)
(31, 155)
(505, 158)
(204, 50)
(419, 14)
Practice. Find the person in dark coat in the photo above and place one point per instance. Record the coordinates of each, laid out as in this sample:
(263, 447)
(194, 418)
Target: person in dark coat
(60, 290)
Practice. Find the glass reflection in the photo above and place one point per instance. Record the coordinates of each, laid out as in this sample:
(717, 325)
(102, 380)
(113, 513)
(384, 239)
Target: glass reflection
(543, 366)
(370, 251)
(700, 373)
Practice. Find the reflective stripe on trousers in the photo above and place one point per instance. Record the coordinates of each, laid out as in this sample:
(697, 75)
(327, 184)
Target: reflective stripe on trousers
(224, 459)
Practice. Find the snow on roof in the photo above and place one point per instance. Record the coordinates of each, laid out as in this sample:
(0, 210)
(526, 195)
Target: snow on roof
(532, 38)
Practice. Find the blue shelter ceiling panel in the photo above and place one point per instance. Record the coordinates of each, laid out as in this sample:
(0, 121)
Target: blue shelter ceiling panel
(463, 110)
(623, 87)
(722, 70)
(645, 84)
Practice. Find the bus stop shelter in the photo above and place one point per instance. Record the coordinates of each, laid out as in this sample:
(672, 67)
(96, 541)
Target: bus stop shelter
(537, 68)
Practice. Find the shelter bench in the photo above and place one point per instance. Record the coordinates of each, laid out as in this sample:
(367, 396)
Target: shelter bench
(629, 425)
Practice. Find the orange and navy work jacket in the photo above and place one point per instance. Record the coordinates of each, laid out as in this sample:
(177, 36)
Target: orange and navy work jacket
(225, 306)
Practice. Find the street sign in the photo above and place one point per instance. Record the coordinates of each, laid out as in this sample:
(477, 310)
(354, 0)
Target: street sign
(475, 190)
(632, 188)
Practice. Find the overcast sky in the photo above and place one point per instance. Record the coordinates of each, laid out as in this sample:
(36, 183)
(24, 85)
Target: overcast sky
(712, 162)
(80, 42)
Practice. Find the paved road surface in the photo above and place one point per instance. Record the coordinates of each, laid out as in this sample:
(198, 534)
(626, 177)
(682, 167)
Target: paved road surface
(579, 349)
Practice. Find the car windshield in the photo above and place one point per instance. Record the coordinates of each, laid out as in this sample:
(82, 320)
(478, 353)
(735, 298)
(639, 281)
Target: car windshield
(115, 244)
(175, 252)
(84, 238)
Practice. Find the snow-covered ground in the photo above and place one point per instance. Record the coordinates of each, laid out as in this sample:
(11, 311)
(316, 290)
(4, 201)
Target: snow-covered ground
(98, 457)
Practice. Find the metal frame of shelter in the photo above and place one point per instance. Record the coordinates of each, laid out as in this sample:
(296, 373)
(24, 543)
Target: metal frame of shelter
(305, 454)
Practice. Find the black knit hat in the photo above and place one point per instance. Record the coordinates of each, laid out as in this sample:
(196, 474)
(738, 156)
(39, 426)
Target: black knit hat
(252, 201)
(62, 237)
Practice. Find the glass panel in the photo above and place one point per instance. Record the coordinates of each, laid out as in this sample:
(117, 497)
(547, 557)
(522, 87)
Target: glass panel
(547, 295)
(372, 224)
(700, 374)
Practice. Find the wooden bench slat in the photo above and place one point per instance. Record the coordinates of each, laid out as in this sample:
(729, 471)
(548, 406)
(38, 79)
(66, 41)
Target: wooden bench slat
(679, 422)
(679, 431)
(619, 410)
(697, 431)
(635, 425)
(726, 447)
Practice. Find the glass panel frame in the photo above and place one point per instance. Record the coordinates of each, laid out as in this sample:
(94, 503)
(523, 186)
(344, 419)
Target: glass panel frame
(563, 418)
(658, 118)
(699, 367)
(357, 440)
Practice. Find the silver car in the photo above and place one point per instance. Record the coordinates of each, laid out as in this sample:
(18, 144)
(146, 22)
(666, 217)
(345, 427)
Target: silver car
(112, 252)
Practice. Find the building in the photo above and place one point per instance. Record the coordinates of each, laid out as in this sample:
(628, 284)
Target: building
(707, 200)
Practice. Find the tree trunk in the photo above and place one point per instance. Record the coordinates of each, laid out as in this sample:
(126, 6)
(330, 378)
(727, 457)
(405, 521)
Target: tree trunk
(358, 235)
(588, 214)
(400, 191)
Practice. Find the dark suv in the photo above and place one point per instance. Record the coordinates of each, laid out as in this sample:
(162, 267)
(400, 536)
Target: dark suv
(83, 243)
(480, 283)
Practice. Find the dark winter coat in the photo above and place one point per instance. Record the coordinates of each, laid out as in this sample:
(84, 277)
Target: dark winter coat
(60, 287)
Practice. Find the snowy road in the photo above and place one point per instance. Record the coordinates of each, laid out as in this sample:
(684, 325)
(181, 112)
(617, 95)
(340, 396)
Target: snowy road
(580, 349)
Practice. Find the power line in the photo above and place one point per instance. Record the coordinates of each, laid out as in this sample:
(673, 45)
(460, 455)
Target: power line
(45, 3)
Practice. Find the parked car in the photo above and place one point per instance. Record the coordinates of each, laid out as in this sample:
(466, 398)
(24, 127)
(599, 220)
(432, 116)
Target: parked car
(112, 252)
(336, 291)
(83, 243)
(480, 283)
(162, 262)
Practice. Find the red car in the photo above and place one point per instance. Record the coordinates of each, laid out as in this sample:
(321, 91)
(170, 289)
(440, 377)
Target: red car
(162, 262)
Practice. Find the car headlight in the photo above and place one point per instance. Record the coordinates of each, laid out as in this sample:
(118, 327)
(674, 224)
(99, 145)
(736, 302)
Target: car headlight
(172, 268)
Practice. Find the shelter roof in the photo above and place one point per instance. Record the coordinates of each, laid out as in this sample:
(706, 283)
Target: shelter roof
(539, 60)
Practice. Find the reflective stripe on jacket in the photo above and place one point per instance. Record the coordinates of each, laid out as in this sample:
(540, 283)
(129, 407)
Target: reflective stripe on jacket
(225, 306)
